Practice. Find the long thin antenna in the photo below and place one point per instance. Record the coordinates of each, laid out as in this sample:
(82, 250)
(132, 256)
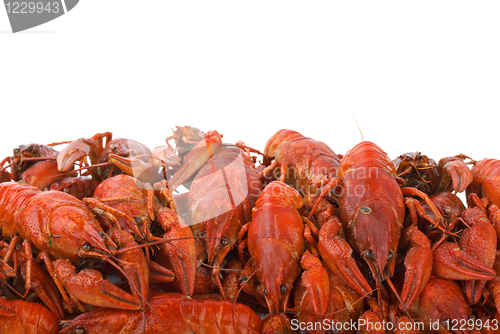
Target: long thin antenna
(352, 110)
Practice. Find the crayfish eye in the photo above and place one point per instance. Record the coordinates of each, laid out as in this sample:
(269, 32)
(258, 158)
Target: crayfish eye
(224, 242)
(282, 288)
(370, 254)
(86, 247)
(391, 255)
(447, 210)
(265, 292)
(80, 330)
(445, 323)
(366, 210)
(202, 234)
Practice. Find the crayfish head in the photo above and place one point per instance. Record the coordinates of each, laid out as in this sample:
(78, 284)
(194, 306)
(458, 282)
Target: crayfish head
(377, 234)
(222, 233)
(278, 269)
(379, 271)
(97, 247)
(218, 242)
(276, 294)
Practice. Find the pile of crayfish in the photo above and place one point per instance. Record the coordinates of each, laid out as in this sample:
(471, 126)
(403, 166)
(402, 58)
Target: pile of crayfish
(108, 236)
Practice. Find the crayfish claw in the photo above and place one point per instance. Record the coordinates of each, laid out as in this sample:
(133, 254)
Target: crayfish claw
(79, 149)
(336, 252)
(89, 287)
(196, 158)
(6, 308)
(456, 175)
(452, 263)
(315, 279)
(418, 264)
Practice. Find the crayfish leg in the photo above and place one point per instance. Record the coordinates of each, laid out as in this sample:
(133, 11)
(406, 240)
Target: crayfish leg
(407, 191)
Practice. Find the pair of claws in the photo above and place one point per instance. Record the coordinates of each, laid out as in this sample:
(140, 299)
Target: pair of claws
(449, 174)
(130, 156)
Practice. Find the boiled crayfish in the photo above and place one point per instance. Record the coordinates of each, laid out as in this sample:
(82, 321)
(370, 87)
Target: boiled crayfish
(62, 227)
(309, 236)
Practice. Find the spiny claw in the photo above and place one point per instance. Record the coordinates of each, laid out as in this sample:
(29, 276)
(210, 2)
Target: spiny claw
(418, 263)
(480, 241)
(197, 158)
(160, 274)
(450, 262)
(180, 253)
(315, 279)
(89, 287)
(336, 252)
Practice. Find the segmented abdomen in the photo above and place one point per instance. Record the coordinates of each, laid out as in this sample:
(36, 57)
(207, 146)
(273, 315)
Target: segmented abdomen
(279, 138)
(310, 163)
(170, 313)
(13, 196)
(29, 318)
(365, 154)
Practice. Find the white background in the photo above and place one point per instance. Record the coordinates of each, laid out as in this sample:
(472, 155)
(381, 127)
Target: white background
(420, 76)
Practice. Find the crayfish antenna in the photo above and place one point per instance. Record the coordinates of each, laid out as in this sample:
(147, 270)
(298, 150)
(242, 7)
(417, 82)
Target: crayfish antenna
(240, 323)
(388, 280)
(361, 133)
